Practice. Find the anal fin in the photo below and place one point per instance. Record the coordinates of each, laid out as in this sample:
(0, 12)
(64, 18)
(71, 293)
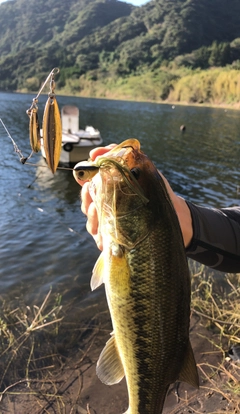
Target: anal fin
(189, 372)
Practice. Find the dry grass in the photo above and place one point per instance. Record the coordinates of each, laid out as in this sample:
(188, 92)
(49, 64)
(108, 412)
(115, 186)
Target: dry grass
(215, 299)
(43, 355)
(23, 333)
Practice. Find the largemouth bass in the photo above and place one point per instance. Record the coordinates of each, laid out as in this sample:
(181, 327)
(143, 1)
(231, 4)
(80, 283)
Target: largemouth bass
(144, 268)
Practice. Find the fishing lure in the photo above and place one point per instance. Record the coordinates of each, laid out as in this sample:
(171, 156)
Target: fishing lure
(85, 170)
(51, 135)
(34, 129)
(52, 130)
(52, 126)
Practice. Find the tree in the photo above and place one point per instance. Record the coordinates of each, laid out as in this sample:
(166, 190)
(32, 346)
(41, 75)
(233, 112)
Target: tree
(220, 54)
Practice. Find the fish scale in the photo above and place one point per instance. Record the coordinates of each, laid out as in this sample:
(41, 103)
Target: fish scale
(154, 347)
(144, 268)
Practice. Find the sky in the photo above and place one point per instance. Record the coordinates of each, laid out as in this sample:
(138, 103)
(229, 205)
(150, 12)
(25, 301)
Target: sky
(134, 2)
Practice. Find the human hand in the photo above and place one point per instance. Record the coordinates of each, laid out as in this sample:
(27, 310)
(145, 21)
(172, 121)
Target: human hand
(88, 206)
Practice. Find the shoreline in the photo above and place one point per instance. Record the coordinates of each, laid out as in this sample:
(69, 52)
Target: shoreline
(235, 106)
(75, 388)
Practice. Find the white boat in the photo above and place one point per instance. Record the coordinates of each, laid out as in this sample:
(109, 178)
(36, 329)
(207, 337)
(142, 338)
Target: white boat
(76, 143)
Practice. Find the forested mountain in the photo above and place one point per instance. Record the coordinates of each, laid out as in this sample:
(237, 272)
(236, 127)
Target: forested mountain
(112, 37)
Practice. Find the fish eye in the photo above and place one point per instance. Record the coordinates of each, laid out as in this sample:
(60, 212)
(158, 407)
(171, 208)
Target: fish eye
(80, 174)
(135, 172)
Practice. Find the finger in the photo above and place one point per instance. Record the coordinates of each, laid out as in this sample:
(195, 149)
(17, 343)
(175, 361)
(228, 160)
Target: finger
(96, 152)
(98, 241)
(92, 222)
(86, 198)
(92, 226)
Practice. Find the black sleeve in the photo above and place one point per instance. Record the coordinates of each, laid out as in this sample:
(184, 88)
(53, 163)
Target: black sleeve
(216, 237)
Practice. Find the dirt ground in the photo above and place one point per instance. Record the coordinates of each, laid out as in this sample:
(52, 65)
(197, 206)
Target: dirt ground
(75, 388)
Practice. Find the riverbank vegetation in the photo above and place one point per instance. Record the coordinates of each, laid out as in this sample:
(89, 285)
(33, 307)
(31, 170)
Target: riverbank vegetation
(215, 86)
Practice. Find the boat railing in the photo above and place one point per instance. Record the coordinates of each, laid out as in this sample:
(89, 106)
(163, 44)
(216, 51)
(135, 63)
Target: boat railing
(77, 136)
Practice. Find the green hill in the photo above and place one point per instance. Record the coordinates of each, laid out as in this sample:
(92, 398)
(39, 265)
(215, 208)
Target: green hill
(97, 39)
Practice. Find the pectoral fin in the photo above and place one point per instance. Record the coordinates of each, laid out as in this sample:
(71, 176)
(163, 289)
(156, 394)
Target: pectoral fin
(189, 372)
(98, 272)
(109, 366)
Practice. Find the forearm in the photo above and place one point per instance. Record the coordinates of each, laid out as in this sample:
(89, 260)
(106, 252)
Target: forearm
(183, 213)
(216, 237)
(211, 236)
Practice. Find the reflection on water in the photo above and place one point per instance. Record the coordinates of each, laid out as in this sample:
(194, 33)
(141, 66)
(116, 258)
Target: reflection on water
(43, 237)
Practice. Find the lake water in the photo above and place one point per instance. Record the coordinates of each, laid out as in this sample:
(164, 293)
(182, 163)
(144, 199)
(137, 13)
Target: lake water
(43, 240)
